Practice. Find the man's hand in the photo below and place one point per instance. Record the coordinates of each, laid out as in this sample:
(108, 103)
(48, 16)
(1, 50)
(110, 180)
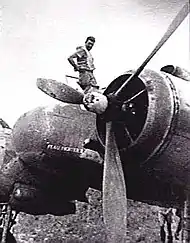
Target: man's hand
(73, 63)
(76, 68)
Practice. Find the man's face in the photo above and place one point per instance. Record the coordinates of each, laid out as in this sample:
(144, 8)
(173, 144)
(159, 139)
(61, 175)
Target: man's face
(89, 44)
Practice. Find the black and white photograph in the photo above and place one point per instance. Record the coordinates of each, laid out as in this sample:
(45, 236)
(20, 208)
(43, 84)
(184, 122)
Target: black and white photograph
(94, 121)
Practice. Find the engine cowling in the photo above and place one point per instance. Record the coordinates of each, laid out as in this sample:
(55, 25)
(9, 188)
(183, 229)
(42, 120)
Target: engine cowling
(153, 124)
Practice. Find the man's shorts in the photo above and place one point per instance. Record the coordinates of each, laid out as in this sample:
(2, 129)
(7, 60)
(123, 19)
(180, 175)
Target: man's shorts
(87, 80)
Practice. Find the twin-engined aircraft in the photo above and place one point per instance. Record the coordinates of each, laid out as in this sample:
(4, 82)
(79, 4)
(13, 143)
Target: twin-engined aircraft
(131, 141)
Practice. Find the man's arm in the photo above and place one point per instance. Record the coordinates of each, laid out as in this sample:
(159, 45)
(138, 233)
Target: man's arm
(72, 62)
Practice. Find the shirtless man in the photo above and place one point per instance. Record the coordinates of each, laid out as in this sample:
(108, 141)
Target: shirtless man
(83, 62)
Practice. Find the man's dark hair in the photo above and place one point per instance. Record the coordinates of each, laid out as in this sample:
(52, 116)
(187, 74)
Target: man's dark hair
(90, 38)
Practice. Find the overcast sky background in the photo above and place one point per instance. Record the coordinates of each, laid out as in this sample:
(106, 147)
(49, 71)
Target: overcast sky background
(37, 36)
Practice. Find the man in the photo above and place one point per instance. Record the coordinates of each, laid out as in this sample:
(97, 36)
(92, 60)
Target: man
(165, 216)
(83, 62)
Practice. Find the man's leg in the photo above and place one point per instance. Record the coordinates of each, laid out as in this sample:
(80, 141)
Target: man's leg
(83, 80)
(179, 226)
(87, 81)
(169, 228)
(93, 81)
(162, 220)
(162, 234)
(169, 220)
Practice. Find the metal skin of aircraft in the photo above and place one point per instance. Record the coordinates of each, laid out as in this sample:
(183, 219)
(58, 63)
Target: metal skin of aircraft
(51, 168)
(141, 132)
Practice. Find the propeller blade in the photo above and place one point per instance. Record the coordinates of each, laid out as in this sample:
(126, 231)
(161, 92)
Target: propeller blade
(177, 72)
(60, 91)
(171, 29)
(114, 190)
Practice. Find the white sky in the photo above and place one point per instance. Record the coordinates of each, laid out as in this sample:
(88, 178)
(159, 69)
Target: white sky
(37, 36)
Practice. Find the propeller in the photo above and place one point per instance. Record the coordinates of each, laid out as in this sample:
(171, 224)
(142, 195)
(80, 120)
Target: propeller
(114, 185)
(114, 189)
(171, 29)
(60, 91)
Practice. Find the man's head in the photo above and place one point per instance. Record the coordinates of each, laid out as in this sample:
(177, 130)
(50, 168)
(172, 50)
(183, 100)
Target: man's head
(90, 40)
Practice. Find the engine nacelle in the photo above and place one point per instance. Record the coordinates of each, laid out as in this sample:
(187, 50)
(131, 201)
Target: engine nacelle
(153, 125)
(60, 128)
